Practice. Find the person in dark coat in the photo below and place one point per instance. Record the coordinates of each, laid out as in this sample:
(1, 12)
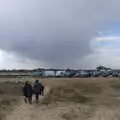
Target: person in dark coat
(38, 90)
(27, 92)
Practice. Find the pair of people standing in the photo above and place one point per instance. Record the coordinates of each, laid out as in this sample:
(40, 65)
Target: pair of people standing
(28, 91)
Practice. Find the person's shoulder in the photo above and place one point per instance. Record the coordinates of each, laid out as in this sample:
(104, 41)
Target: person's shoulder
(23, 87)
(40, 83)
(30, 85)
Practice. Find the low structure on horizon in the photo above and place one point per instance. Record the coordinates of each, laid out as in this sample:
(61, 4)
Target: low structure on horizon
(100, 71)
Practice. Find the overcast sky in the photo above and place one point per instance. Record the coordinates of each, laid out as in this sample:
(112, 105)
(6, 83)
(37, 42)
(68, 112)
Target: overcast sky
(59, 33)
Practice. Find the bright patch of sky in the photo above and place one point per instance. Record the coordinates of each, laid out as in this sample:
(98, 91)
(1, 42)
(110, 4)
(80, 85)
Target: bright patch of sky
(108, 38)
(110, 30)
(9, 60)
(106, 47)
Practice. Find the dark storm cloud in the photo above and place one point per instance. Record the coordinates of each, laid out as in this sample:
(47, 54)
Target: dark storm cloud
(56, 32)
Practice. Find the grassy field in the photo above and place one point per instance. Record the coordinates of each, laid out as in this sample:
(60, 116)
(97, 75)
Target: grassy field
(70, 99)
(10, 93)
(91, 98)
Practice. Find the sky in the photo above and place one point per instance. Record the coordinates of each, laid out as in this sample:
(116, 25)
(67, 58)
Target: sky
(59, 34)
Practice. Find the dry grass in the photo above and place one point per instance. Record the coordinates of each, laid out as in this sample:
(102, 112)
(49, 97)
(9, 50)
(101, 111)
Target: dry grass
(98, 99)
(9, 96)
(71, 99)
(71, 93)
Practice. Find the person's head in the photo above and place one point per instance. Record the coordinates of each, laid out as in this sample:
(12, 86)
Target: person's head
(37, 81)
(26, 83)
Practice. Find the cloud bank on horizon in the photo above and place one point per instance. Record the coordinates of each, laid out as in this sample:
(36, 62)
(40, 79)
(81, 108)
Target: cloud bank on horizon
(59, 33)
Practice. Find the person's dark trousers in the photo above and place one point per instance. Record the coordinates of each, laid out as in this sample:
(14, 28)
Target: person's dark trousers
(37, 97)
(30, 100)
(25, 99)
(42, 91)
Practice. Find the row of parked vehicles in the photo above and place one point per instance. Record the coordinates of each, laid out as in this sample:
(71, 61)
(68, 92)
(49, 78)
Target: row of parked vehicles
(100, 71)
(84, 73)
